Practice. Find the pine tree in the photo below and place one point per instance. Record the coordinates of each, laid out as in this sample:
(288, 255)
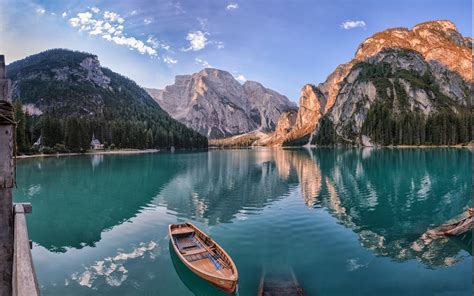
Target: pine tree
(20, 118)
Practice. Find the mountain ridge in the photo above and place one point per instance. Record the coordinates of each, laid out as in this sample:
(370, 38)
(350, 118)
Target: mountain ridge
(78, 98)
(215, 104)
(439, 67)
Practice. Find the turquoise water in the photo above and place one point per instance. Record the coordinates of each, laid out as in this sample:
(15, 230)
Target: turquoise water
(345, 222)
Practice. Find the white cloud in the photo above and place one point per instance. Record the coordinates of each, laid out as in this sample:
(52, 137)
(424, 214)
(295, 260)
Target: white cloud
(202, 62)
(110, 27)
(134, 12)
(64, 14)
(203, 22)
(349, 24)
(113, 17)
(155, 43)
(169, 60)
(40, 11)
(240, 78)
(197, 40)
(178, 8)
(220, 45)
(74, 22)
(147, 21)
(95, 9)
(232, 6)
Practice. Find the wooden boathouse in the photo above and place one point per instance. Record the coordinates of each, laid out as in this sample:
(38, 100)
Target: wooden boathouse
(17, 274)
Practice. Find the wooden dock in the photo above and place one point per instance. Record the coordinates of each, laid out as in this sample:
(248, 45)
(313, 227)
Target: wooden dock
(17, 274)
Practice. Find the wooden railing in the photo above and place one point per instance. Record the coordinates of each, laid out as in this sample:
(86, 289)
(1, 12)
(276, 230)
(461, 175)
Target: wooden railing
(24, 282)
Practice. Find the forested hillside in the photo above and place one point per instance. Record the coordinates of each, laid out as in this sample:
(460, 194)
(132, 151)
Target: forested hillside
(397, 98)
(69, 97)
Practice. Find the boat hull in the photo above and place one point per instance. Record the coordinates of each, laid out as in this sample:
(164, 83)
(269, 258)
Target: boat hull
(227, 285)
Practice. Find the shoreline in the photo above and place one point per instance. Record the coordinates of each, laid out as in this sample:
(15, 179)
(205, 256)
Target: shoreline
(145, 151)
(469, 146)
(102, 152)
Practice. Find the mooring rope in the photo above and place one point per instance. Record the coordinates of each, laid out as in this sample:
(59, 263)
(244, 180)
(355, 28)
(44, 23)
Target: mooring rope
(7, 117)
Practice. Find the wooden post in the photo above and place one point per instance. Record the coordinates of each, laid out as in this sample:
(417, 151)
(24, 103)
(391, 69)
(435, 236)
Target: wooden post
(6, 184)
(24, 277)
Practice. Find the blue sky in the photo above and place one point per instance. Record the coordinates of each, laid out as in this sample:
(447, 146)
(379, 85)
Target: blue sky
(282, 44)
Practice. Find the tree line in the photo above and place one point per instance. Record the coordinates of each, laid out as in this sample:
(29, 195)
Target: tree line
(391, 121)
(443, 127)
(74, 133)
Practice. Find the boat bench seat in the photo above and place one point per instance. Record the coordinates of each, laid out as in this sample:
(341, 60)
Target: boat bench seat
(194, 252)
(185, 243)
(196, 257)
(183, 231)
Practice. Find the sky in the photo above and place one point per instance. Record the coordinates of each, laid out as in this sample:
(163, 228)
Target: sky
(281, 44)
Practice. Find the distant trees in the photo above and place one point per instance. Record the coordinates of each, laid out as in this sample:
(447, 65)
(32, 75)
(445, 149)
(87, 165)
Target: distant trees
(391, 120)
(22, 135)
(443, 127)
(75, 132)
(116, 110)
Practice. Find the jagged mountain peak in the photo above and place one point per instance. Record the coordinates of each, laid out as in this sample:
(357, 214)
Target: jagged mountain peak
(441, 25)
(253, 84)
(424, 70)
(435, 40)
(214, 103)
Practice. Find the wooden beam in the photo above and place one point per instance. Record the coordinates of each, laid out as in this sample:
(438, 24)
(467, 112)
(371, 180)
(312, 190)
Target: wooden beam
(6, 184)
(24, 278)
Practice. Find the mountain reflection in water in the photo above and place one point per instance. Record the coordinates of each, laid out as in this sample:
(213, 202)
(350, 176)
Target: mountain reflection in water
(388, 198)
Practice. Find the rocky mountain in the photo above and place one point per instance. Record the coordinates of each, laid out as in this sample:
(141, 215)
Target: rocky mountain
(404, 86)
(216, 105)
(397, 97)
(76, 98)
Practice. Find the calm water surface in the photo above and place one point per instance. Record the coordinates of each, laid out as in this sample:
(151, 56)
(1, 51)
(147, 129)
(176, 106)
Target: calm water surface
(346, 222)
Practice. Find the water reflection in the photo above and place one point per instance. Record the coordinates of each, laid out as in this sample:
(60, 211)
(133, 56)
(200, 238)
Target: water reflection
(391, 197)
(96, 160)
(112, 270)
(219, 186)
(194, 283)
(388, 197)
(75, 202)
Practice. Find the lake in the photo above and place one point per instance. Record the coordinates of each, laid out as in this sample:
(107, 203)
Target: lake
(343, 221)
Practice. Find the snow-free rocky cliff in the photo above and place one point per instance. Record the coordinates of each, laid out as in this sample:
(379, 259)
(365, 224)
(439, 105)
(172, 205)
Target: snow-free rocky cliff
(216, 105)
(421, 74)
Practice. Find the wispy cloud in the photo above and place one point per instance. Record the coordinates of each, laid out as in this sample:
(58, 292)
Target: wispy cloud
(220, 45)
(232, 6)
(350, 24)
(147, 21)
(40, 11)
(113, 17)
(197, 40)
(95, 9)
(169, 60)
(240, 78)
(156, 44)
(109, 26)
(203, 22)
(64, 14)
(178, 8)
(203, 63)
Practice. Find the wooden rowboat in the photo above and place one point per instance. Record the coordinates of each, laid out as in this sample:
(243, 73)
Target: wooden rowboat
(203, 256)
